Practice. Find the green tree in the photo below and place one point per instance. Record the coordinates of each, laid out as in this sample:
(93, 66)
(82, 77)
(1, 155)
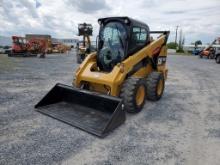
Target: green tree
(172, 45)
(198, 42)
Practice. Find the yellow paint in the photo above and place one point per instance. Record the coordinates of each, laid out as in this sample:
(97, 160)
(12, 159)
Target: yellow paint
(98, 80)
(143, 72)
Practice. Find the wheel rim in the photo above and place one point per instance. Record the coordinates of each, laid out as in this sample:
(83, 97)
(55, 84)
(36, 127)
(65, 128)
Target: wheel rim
(160, 87)
(140, 95)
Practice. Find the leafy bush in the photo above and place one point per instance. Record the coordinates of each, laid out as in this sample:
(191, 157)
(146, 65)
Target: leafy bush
(172, 45)
(180, 50)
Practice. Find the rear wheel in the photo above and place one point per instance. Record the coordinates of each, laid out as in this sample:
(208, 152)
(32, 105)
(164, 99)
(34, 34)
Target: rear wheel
(217, 59)
(155, 86)
(133, 93)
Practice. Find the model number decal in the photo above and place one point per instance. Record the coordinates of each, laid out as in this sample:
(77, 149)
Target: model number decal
(161, 60)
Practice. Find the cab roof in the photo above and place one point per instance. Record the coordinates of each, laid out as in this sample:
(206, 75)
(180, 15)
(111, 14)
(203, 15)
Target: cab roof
(131, 21)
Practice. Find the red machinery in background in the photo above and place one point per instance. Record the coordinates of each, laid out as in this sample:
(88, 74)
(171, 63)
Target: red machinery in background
(210, 51)
(19, 47)
(38, 46)
(27, 48)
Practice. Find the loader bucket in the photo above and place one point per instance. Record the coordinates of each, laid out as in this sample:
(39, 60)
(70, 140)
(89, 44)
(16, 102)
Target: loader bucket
(95, 113)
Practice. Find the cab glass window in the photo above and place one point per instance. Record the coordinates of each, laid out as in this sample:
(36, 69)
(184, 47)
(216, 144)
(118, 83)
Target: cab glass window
(139, 37)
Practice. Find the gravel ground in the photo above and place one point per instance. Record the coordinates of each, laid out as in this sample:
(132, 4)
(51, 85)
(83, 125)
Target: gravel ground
(182, 128)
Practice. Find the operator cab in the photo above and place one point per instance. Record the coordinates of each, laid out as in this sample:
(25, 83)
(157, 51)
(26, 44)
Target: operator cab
(119, 37)
(19, 40)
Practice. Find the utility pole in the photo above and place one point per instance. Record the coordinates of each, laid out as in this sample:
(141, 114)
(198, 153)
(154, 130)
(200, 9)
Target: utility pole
(176, 35)
(180, 39)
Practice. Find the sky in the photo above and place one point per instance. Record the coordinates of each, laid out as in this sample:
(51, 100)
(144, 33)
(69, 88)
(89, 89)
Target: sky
(198, 19)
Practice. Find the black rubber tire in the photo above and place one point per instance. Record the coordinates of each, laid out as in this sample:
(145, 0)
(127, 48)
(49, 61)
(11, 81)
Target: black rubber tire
(152, 85)
(128, 94)
(217, 59)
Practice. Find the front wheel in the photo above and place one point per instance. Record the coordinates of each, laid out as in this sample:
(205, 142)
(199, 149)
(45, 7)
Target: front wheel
(133, 93)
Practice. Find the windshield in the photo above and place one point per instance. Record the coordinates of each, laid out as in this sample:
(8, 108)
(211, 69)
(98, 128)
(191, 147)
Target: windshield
(111, 45)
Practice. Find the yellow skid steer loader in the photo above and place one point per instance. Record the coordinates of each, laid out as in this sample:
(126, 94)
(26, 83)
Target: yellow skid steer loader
(128, 68)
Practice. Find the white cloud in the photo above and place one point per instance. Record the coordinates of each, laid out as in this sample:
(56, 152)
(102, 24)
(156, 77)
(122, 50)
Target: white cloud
(198, 19)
